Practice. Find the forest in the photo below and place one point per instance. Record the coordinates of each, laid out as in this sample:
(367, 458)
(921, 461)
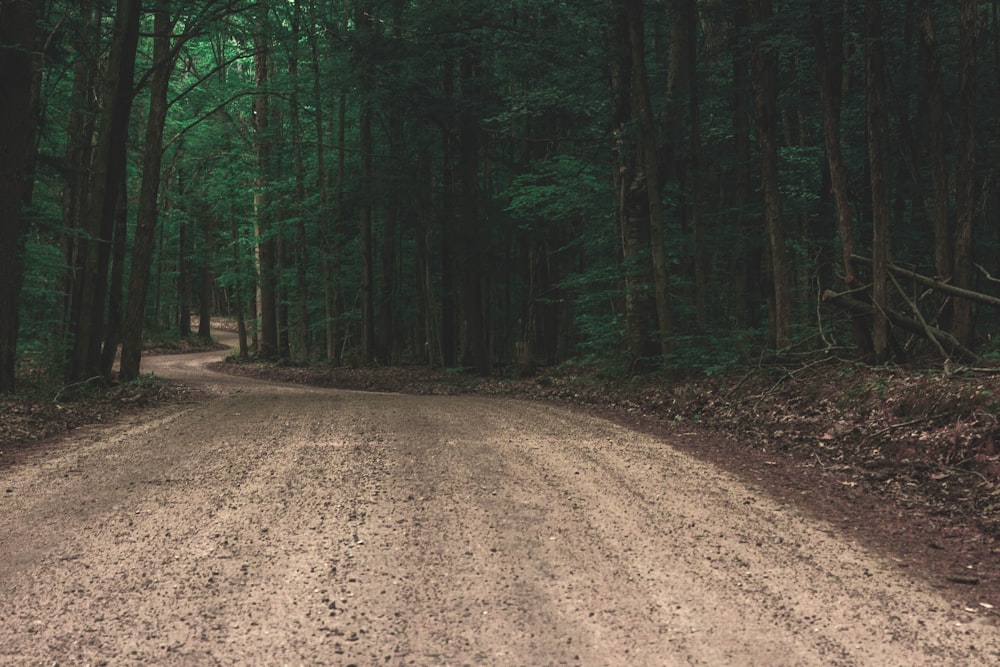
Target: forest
(496, 186)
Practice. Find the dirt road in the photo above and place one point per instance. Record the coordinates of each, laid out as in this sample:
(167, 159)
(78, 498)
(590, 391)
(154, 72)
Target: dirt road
(271, 524)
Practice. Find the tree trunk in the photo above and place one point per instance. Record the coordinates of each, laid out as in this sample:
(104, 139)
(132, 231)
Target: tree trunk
(146, 220)
(300, 344)
(367, 90)
(108, 175)
(17, 132)
(206, 281)
(746, 275)
(632, 202)
(476, 346)
(764, 68)
(829, 66)
(878, 122)
(648, 176)
(113, 331)
(963, 327)
(184, 272)
(943, 255)
(449, 314)
(79, 151)
(267, 280)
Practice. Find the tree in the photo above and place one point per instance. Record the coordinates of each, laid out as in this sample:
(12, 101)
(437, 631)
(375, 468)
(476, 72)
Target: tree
(878, 137)
(145, 234)
(649, 174)
(965, 178)
(109, 165)
(764, 67)
(267, 289)
(17, 131)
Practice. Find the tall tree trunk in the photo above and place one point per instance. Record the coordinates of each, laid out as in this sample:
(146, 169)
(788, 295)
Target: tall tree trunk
(301, 341)
(449, 311)
(943, 254)
(206, 281)
(113, 330)
(109, 168)
(470, 234)
(963, 327)
(649, 176)
(79, 151)
(266, 254)
(367, 90)
(764, 68)
(829, 66)
(747, 276)
(17, 132)
(184, 278)
(878, 136)
(146, 220)
(632, 202)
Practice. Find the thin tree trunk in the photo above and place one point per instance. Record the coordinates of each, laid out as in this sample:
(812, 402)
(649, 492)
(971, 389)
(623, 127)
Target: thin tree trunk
(764, 67)
(449, 324)
(943, 254)
(632, 203)
(649, 176)
(266, 291)
(206, 281)
(829, 70)
(367, 250)
(877, 120)
(471, 250)
(301, 342)
(747, 269)
(963, 327)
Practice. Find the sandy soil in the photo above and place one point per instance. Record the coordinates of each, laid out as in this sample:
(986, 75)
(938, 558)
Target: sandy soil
(277, 524)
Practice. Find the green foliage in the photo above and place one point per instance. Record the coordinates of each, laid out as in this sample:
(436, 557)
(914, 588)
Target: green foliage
(536, 215)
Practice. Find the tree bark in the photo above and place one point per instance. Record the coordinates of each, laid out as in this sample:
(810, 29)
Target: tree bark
(963, 327)
(17, 132)
(631, 201)
(764, 68)
(108, 175)
(367, 89)
(469, 235)
(878, 136)
(300, 344)
(943, 254)
(146, 220)
(266, 254)
(829, 69)
(649, 177)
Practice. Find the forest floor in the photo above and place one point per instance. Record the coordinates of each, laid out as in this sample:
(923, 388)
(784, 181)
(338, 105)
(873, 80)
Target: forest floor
(908, 458)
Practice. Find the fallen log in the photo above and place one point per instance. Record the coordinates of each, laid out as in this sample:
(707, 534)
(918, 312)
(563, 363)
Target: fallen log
(936, 284)
(933, 334)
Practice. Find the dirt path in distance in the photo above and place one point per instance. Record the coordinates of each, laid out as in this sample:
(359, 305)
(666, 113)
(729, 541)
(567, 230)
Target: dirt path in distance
(279, 524)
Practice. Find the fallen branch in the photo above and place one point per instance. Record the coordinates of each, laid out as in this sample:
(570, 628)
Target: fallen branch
(862, 308)
(928, 332)
(937, 284)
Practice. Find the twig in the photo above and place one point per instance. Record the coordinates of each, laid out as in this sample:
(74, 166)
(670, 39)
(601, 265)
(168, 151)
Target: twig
(920, 318)
(893, 427)
(55, 399)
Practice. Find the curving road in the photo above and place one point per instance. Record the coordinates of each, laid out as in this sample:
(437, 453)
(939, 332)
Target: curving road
(270, 524)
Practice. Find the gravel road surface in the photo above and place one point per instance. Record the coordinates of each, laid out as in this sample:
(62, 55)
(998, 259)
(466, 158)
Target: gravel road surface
(270, 524)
